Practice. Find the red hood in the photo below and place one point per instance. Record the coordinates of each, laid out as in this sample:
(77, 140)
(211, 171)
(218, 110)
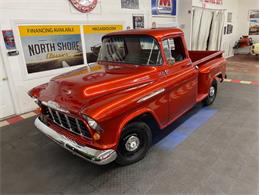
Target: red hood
(73, 90)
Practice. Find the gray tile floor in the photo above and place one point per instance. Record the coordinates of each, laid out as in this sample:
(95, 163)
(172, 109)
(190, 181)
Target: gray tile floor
(220, 157)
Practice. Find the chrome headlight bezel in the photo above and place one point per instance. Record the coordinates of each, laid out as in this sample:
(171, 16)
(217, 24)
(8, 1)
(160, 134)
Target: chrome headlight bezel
(93, 124)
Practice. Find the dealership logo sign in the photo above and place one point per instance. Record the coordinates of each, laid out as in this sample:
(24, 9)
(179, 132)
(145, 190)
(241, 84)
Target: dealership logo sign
(84, 6)
(164, 6)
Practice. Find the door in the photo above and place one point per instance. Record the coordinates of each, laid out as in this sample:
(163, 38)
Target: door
(6, 104)
(182, 77)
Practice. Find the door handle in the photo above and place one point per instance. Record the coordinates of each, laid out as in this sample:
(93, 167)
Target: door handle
(4, 78)
(166, 72)
(186, 65)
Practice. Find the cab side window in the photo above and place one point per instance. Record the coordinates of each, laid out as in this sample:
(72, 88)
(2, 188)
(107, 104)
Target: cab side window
(174, 50)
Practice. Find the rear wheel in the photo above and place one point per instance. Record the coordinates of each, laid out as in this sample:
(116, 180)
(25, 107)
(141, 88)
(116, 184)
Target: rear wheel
(211, 94)
(134, 143)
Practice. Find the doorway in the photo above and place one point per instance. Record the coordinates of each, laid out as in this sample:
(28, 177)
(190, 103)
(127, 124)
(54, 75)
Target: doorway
(207, 29)
(6, 104)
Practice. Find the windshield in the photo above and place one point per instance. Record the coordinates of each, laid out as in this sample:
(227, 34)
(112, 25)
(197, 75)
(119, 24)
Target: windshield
(130, 50)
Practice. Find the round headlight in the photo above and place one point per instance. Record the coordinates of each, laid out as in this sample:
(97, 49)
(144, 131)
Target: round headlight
(92, 123)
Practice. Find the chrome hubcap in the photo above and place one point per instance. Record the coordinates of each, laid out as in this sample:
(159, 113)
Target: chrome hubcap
(211, 91)
(132, 143)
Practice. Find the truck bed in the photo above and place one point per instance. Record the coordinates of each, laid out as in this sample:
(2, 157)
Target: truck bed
(201, 57)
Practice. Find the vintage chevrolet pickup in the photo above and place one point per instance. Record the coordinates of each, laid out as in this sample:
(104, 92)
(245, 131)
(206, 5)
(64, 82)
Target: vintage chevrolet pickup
(146, 80)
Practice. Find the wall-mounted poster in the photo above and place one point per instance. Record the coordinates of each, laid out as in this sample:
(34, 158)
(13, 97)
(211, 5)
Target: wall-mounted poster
(164, 7)
(229, 29)
(51, 47)
(9, 39)
(130, 4)
(93, 35)
(253, 22)
(253, 14)
(254, 26)
(229, 17)
(138, 21)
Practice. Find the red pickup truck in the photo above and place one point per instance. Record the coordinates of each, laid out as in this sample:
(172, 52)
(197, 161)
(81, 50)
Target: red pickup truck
(146, 80)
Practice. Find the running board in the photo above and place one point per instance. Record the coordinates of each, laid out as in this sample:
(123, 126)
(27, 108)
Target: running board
(201, 97)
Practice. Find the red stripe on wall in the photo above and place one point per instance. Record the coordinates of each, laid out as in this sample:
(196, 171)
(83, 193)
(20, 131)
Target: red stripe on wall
(14, 119)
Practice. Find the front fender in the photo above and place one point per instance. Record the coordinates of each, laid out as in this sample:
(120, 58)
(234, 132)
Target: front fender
(134, 115)
(35, 92)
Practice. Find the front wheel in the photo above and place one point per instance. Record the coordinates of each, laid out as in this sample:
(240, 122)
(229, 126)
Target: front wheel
(211, 94)
(134, 143)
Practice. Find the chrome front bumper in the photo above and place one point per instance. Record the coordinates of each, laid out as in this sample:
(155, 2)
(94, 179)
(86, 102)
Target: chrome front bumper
(100, 157)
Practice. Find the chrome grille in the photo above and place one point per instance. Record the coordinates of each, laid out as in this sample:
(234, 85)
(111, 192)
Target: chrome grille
(65, 121)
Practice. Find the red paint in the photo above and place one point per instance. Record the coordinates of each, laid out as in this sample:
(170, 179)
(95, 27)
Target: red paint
(14, 119)
(255, 83)
(111, 96)
(235, 81)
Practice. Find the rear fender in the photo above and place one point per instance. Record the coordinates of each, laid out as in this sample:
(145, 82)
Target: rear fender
(213, 70)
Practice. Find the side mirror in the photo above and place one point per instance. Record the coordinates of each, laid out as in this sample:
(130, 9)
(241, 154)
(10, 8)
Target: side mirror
(171, 61)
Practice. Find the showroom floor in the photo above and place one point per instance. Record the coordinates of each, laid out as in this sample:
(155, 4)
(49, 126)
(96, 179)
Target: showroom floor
(210, 150)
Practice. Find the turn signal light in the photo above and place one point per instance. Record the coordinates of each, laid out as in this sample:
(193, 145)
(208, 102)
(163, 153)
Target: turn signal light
(38, 110)
(96, 136)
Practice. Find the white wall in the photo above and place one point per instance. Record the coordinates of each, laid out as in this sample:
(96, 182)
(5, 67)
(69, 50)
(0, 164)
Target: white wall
(13, 12)
(243, 17)
(185, 19)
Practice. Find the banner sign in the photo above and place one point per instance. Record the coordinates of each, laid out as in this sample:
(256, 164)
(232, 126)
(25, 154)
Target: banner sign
(101, 29)
(164, 7)
(218, 2)
(93, 35)
(51, 47)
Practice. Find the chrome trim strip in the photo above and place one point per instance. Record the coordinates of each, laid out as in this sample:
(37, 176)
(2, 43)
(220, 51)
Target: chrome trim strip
(151, 95)
(100, 157)
(58, 115)
(77, 122)
(51, 113)
(55, 106)
(67, 119)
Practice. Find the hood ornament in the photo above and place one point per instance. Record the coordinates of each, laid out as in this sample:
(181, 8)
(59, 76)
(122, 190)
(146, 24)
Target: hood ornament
(67, 91)
(84, 6)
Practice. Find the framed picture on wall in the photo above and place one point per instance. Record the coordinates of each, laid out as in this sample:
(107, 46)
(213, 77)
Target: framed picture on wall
(229, 29)
(254, 26)
(229, 17)
(130, 4)
(138, 21)
(9, 39)
(48, 47)
(253, 22)
(164, 7)
(253, 14)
